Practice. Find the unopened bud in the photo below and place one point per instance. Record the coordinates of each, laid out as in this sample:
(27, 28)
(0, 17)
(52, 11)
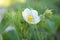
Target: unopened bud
(48, 13)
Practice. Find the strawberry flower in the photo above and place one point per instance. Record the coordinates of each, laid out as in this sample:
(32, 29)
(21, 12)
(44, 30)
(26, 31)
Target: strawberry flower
(31, 16)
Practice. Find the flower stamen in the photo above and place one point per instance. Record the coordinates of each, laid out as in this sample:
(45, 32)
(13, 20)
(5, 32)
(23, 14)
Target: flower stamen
(30, 18)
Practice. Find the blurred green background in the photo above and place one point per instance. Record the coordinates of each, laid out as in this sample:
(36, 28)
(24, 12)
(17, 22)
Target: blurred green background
(48, 29)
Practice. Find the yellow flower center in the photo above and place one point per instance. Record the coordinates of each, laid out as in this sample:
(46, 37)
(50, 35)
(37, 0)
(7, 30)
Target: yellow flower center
(30, 18)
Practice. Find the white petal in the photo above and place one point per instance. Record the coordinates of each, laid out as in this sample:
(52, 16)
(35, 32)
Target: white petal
(24, 16)
(37, 20)
(36, 17)
(27, 11)
(34, 12)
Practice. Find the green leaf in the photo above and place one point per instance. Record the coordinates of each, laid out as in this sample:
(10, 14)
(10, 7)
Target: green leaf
(3, 25)
(49, 26)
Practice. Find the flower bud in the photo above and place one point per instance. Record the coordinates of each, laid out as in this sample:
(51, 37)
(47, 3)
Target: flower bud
(48, 13)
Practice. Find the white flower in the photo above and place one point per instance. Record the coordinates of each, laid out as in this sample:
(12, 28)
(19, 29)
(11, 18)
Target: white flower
(31, 16)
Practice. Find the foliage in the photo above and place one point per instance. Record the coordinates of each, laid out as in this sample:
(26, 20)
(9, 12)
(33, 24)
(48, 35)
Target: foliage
(45, 30)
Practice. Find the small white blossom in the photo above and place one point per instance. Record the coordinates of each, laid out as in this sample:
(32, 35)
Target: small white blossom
(31, 16)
